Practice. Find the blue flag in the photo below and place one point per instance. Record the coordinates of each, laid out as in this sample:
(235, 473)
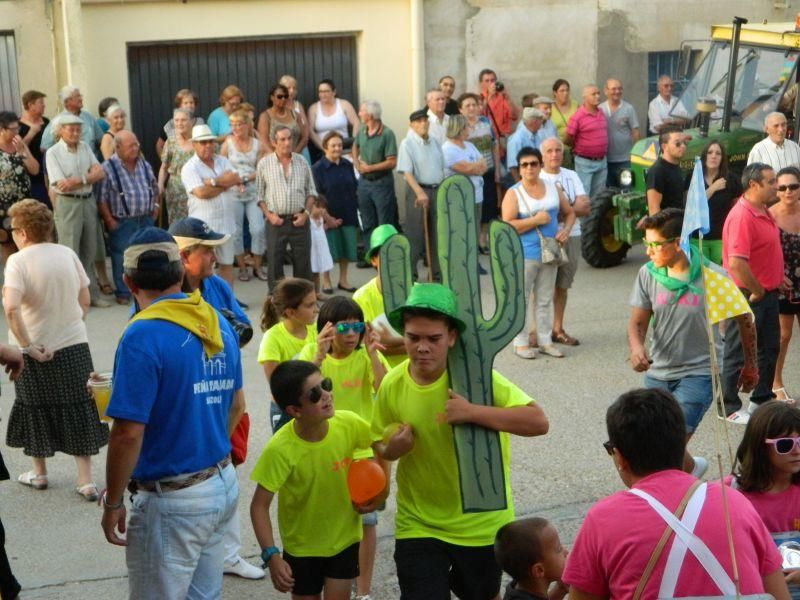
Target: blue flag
(695, 214)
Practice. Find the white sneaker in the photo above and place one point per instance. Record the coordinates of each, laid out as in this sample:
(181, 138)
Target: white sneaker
(740, 417)
(242, 568)
(700, 466)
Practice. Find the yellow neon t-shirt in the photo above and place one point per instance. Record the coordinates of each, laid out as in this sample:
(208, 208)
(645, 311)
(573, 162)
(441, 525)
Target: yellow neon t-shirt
(278, 345)
(370, 299)
(428, 498)
(315, 514)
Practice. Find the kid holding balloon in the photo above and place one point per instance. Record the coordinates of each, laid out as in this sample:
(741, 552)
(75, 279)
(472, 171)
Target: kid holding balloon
(287, 321)
(768, 472)
(320, 494)
(347, 353)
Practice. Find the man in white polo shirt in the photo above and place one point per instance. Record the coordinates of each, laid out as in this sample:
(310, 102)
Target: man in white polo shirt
(775, 150)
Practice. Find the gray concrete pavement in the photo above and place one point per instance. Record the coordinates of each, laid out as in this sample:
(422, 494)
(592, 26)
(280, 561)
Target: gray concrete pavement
(54, 539)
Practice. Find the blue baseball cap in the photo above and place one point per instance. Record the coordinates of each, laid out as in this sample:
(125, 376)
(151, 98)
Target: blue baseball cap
(150, 249)
(191, 232)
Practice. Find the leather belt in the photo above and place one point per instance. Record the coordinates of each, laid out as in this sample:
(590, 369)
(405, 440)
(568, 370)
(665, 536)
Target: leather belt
(590, 157)
(79, 196)
(173, 485)
(429, 186)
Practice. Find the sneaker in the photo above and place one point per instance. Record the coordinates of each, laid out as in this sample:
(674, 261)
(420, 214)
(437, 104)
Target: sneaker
(481, 270)
(242, 568)
(100, 303)
(740, 417)
(525, 352)
(551, 350)
(700, 466)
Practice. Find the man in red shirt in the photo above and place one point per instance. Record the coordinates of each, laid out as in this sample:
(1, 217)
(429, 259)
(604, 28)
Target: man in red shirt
(587, 133)
(497, 105)
(751, 253)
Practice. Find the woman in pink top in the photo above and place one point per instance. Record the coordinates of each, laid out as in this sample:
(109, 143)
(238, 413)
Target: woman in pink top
(768, 470)
(621, 533)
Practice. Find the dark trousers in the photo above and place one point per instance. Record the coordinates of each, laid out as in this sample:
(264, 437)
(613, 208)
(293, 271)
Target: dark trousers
(377, 204)
(9, 586)
(415, 230)
(768, 331)
(278, 239)
(119, 240)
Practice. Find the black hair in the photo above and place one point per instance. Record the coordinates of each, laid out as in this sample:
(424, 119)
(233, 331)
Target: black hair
(528, 151)
(155, 279)
(104, 105)
(559, 82)
(433, 315)
(327, 82)
(7, 118)
(723, 165)
(276, 88)
(518, 546)
(288, 379)
(647, 427)
(667, 222)
(485, 72)
(770, 420)
(320, 201)
(340, 308)
(666, 132)
(789, 171)
(289, 293)
(754, 172)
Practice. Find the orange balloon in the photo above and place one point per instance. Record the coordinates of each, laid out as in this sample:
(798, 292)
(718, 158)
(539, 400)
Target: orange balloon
(365, 480)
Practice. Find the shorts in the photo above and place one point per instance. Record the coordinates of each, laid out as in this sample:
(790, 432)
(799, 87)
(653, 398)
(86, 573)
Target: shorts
(692, 392)
(370, 519)
(342, 243)
(566, 273)
(429, 569)
(788, 308)
(310, 572)
(225, 253)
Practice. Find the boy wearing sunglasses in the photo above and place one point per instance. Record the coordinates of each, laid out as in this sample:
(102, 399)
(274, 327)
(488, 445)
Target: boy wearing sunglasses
(305, 464)
(439, 548)
(669, 293)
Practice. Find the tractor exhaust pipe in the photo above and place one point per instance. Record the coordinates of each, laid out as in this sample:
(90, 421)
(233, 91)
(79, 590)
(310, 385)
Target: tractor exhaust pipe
(729, 89)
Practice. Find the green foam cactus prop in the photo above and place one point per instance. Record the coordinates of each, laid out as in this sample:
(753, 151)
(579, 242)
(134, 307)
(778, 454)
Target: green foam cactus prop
(480, 461)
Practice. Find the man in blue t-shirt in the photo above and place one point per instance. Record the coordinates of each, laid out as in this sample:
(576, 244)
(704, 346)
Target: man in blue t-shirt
(175, 400)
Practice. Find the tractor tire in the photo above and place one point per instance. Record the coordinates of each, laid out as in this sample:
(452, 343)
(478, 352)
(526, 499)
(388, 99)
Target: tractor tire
(599, 247)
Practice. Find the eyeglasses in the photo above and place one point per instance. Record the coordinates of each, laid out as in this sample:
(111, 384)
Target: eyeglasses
(609, 447)
(281, 97)
(790, 186)
(529, 164)
(315, 393)
(357, 327)
(657, 245)
(784, 445)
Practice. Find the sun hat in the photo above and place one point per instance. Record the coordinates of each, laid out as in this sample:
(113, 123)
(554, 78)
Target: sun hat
(431, 296)
(191, 232)
(378, 238)
(200, 133)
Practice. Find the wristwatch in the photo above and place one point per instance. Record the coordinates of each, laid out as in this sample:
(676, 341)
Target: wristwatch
(267, 553)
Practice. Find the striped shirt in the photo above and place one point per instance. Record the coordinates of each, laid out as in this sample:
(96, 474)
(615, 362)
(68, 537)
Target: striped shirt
(284, 194)
(768, 152)
(137, 188)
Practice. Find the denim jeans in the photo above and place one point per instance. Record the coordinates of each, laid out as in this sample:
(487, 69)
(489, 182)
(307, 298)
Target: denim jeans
(256, 225)
(175, 539)
(592, 174)
(693, 393)
(119, 240)
(768, 334)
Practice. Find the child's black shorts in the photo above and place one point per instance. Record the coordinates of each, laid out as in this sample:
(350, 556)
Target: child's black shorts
(309, 572)
(429, 569)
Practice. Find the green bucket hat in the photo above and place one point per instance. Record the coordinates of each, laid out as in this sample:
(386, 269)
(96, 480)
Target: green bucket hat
(433, 296)
(378, 238)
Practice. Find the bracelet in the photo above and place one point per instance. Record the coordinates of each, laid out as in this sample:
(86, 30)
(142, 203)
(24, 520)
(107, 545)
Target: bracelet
(26, 349)
(107, 504)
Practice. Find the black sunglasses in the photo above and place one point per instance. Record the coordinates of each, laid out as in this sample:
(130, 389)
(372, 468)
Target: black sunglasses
(789, 186)
(609, 447)
(315, 393)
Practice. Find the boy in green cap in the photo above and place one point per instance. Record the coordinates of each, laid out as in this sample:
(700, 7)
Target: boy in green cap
(439, 549)
(370, 298)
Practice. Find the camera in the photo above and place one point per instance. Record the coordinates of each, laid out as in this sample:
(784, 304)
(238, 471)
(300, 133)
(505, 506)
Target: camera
(499, 86)
(242, 329)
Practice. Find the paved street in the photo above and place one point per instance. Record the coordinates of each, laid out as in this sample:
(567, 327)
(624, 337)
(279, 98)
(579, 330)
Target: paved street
(58, 550)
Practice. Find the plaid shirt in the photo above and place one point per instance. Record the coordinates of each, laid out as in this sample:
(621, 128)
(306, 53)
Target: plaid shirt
(283, 194)
(138, 188)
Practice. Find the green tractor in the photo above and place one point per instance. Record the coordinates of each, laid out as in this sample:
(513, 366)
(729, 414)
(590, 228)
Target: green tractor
(762, 61)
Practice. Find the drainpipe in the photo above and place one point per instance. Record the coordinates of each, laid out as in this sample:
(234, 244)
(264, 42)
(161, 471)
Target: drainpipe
(417, 52)
(67, 51)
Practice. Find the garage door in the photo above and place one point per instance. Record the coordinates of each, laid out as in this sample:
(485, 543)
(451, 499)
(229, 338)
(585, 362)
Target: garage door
(157, 71)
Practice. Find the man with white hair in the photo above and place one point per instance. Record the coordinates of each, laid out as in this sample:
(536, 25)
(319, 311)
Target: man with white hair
(526, 136)
(436, 100)
(72, 168)
(775, 150)
(374, 156)
(663, 110)
(72, 102)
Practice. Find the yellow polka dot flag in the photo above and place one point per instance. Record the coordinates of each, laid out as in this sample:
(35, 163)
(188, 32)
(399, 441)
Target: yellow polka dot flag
(723, 299)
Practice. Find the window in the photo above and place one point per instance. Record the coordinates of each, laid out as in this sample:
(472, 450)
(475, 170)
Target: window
(9, 81)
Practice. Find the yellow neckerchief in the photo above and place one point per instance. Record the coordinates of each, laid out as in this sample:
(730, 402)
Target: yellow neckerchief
(193, 314)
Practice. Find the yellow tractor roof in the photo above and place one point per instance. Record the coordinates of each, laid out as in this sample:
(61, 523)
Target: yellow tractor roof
(775, 35)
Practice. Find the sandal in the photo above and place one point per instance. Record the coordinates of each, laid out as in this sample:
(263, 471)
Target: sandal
(88, 491)
(781, 395)
(31, 479)
(244, 275)
(106, 289)
(562, 337)
(525, 352)
(260, 275)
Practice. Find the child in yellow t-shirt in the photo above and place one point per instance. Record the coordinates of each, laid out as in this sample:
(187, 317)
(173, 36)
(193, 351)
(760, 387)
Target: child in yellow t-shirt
(287, 321)
(306, 465)
(347, 353)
